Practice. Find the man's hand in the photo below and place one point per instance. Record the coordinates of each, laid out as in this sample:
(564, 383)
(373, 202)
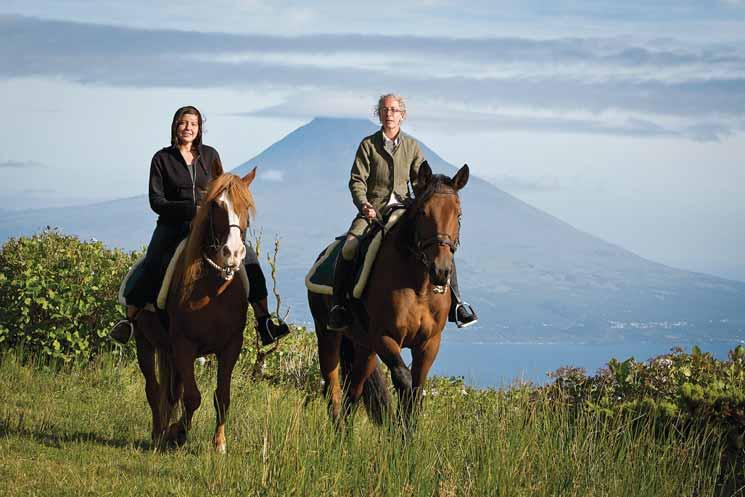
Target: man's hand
(368, 210)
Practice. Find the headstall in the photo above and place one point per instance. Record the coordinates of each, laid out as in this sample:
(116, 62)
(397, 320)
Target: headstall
(214, 244)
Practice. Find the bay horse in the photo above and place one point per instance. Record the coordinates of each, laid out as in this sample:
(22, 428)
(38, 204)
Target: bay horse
(205, 313)
(405, 305)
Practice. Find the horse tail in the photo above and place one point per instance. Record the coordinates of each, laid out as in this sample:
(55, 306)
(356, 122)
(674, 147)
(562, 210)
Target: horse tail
(375, 395)
(166, 395)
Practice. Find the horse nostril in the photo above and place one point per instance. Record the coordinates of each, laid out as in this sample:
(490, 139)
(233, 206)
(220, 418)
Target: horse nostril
(225, 251)
(242, 251)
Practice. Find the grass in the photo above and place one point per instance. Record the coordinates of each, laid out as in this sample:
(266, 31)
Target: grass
(75, 430)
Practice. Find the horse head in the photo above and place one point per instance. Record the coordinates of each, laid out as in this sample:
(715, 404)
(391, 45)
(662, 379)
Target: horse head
(219, 228)
(227, 220)
(435, 216)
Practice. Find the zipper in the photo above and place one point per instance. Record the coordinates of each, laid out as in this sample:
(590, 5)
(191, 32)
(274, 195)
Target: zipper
(193, 173)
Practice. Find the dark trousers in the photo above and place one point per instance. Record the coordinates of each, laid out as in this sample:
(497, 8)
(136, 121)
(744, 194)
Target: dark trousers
(454, 284)
(144, 284)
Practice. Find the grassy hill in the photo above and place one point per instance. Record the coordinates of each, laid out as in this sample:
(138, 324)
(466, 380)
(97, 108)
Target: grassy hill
(84, 430)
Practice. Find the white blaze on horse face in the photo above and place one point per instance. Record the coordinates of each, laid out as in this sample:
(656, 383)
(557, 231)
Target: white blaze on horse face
(234, 250)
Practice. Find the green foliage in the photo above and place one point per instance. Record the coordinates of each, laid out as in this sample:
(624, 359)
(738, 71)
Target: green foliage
(689, 389)
(58, 294)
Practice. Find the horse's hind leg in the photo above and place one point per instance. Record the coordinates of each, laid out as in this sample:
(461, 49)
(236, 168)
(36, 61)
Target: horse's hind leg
(329, 345)
(146, 361)
(225, 364)
(365, 362)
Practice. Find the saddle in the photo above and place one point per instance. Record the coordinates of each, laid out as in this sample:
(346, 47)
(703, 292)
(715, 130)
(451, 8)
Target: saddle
(320, 278)
(160, 302)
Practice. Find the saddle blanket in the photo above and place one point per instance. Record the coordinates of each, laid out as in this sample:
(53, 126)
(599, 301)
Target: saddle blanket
(163, 293)
(320, 278)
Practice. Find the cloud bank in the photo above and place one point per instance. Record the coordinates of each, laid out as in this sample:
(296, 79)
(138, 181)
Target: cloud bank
(16, 164)
(584, 85)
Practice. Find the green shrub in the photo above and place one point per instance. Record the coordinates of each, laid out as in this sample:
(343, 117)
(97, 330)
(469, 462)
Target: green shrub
(58, 294)
(690, 389)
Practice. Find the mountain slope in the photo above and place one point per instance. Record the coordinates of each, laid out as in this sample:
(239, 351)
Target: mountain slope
(531, 276)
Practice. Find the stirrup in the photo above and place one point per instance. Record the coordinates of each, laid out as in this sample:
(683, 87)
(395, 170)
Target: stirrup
(120, 339)
(338, 308)
(469, 310)
(270, 332)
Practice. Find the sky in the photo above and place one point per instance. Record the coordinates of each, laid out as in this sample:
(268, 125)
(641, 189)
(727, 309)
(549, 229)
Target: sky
(624, 119)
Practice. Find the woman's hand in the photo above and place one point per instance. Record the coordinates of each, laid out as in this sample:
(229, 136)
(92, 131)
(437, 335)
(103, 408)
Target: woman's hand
(368, 210)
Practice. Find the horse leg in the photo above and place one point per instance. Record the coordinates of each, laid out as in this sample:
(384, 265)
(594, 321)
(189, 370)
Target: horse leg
(225, 363)
(146, 361)
(365, 362)
(329, 346)
(183, 361)
(422, 358)
(390, 352)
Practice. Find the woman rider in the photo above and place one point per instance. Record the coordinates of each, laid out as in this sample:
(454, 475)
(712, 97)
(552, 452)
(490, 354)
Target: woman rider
(179, 176)
(384, 163)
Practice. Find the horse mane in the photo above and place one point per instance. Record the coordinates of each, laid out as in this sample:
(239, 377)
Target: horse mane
(244, 206)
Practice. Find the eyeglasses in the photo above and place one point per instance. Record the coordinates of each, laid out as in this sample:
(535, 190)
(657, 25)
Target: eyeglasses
(392, 110)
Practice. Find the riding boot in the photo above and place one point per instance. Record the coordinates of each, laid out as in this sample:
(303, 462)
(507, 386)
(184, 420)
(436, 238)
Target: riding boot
(461, 313)
(339, 315)
(269, 331)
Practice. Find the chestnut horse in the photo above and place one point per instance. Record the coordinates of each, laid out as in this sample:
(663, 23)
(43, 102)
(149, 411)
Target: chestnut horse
(405, 304)
(205, 311)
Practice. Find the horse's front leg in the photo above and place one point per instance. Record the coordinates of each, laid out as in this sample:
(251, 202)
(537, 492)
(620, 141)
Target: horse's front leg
(390, 352)
(225, 364)
(422, 359)
(184, 355)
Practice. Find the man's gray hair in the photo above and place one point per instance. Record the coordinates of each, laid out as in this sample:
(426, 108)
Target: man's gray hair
(401, 103)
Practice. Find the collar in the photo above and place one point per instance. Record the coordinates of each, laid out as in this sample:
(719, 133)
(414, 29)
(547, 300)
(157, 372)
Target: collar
(197, 159)
(395, 142)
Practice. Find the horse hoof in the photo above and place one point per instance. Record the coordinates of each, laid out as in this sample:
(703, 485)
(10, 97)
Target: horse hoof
(176, 435)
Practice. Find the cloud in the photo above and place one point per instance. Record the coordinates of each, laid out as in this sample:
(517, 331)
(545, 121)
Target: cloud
(15, 164)
(517, 184)
(611, 86)
(273, 175)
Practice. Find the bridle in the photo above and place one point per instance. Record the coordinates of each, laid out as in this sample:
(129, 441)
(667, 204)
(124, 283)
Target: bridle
(439, 239)
(214, 243)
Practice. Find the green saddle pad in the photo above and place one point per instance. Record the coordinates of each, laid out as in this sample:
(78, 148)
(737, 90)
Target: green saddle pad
(320, 278)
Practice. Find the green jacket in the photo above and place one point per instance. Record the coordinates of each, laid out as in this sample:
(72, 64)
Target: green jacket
(376, 174)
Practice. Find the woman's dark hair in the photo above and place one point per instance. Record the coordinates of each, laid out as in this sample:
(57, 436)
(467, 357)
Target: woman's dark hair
(189, 109)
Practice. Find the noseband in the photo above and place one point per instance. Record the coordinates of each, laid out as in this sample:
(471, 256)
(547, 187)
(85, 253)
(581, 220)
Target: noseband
(214, 244)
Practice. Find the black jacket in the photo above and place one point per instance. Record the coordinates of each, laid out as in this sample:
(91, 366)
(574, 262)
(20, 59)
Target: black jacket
(173, 194)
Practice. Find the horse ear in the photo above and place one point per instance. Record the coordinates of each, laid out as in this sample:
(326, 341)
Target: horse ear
(461, 178)
(422, 178)
(247, 179)
(217, 169)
